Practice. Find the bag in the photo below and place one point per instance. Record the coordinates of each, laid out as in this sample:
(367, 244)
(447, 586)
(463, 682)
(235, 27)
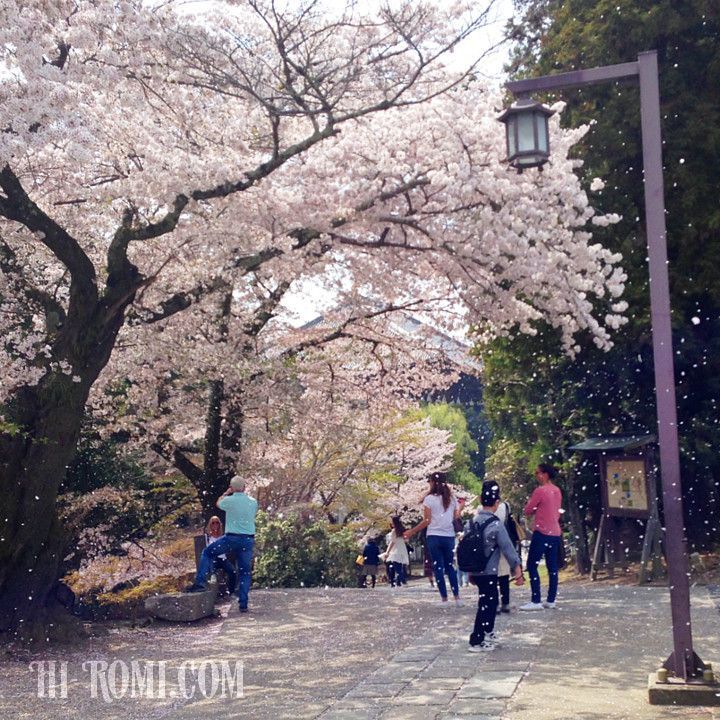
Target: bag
(360, 560)
(458, 525)
(471, 549)
(511, 527)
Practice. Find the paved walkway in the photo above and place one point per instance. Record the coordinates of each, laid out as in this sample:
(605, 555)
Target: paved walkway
(370, 655)
(586, 660)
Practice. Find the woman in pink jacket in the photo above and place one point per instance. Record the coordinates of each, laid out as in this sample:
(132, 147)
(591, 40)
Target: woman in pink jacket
(544, 504)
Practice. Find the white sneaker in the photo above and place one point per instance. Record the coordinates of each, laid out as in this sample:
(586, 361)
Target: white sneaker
(459, 603)
(549, 605)
(532, 606)
(492, 639)
(481, 648)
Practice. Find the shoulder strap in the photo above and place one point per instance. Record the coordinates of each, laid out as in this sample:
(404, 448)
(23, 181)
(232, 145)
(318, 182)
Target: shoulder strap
(481, 528)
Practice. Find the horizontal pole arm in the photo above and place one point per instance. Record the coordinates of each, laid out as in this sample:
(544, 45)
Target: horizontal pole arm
(575, 78)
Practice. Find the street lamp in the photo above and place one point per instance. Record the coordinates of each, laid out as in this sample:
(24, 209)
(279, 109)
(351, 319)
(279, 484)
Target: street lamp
(683, 661)
(526, 130)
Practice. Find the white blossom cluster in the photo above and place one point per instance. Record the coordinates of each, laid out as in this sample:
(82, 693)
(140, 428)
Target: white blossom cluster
(345, 155)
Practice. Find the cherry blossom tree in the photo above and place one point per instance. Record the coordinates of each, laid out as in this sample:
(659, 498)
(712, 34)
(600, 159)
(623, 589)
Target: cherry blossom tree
(348, 438)
(290, 380)
(155, 166)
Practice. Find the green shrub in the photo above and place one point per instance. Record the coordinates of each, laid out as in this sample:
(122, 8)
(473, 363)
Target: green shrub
(292, 552)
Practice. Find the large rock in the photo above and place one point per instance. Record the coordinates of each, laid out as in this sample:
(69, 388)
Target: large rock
(183, 607)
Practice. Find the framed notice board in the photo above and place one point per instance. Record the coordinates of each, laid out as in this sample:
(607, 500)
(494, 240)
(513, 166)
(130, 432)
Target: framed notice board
(625, 485)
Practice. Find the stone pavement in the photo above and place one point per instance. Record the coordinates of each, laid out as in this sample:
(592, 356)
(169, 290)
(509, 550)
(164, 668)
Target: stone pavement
(346, 654)
(586, 660)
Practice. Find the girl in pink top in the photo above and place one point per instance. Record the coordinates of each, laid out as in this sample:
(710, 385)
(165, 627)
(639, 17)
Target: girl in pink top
(544, 504)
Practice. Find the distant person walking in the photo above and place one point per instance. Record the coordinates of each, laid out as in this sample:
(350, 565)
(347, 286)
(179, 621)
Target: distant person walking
(496, 544)
(397, 555)
(371, 555)
(440, 508)
(544, 504)
(239, 538)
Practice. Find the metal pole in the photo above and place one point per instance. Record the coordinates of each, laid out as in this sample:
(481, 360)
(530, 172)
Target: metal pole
(683, 661)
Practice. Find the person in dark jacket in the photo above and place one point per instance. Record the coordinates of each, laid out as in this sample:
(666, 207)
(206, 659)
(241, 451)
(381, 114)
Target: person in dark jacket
(496, 541)
(371, 555)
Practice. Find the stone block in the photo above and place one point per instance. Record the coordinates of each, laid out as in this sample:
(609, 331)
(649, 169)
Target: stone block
(437, 683)
(491, 685)
(462, 707)
(678, 692)
(367, 713)
(386, 690)
(417, 654)
(182, 607)
(395, 672)
(417, 696)
(412, 712)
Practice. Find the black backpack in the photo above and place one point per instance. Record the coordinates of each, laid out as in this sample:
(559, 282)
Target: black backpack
(471, 549)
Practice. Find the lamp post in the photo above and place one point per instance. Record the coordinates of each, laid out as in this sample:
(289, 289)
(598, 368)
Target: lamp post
(528, 137)
(683, 661)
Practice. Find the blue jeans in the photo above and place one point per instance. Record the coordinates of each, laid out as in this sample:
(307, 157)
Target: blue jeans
(396, 574)
(547, 545)
(229, 568)
(242, 546)
(441, 550)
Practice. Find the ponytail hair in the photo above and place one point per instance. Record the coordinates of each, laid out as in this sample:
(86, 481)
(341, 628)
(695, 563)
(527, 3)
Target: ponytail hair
(439, 486)
(550, 470)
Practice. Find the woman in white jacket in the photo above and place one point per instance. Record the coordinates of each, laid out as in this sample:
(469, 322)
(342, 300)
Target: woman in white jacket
(503, 510)
(397, 554)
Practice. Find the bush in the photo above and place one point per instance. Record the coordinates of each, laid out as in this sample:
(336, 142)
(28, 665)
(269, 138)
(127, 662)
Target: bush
(104, 521)
(292, 552)
(115, 587)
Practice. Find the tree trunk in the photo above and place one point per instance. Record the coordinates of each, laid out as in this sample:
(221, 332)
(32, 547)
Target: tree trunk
(209, 480)
(582, 556)
(33, 463)
(214, 479)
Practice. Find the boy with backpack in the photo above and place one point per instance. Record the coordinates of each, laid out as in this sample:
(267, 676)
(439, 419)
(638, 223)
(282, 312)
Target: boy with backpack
(479, 555)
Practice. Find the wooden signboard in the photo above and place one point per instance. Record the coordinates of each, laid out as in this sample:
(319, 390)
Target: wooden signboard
(625, 485)
(627, 482)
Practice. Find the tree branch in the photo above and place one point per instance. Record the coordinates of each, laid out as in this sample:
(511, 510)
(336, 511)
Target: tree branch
(178, 459)
(17, 206)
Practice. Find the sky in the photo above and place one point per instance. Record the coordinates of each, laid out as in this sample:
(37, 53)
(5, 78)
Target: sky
(492, 66)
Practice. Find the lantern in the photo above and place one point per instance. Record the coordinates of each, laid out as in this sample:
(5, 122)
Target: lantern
(526, 129)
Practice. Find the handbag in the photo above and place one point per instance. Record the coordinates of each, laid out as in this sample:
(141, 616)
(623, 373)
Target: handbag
(513, 529)
(458, 525)
(360, 560)
(522, 533)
